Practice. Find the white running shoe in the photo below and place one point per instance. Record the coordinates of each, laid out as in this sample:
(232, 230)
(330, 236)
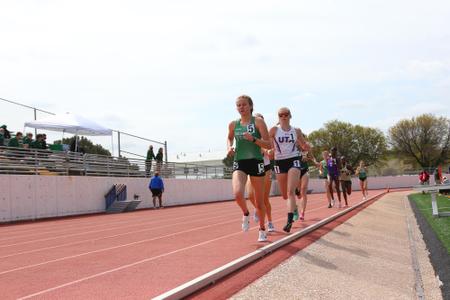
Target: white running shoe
(262, 237)
(364, 198)
(270, 227)
(255, 216)
(245, 223)
(333, 202)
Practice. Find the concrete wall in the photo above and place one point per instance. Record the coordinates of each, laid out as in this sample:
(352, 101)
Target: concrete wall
(26, 197)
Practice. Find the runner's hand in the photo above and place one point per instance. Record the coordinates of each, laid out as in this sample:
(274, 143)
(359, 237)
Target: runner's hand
(230, 151)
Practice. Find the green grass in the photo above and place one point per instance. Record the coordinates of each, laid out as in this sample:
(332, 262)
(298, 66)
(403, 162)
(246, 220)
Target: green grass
(441, 225)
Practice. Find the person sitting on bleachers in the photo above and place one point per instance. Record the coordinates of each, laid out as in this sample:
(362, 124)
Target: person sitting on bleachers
(16, 141)
(28, 140)
(44, 141)
(37, 144)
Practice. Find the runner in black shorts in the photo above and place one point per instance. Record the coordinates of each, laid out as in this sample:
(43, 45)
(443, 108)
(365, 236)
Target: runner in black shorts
(251, 135)
(268, 166)
(285, 142)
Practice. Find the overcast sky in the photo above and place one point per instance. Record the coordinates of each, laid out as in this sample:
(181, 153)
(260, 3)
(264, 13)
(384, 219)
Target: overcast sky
(171, 70)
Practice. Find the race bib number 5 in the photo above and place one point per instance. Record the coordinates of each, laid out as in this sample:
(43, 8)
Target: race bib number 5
(260, 168)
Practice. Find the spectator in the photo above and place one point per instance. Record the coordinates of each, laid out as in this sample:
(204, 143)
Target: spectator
(28, 140)
(424, 177)
(156, 186)
(7, 134)
(37, 144)
(438, 175)
(44, 141)
(148, 160)
(2, 137)
(16, 141)
(159, 159)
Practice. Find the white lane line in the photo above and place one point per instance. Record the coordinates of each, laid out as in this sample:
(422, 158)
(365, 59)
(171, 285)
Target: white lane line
(85, 220)
(148, 259)
(112, 248)
(111, 236)
(211, 277)
(97, 231)
(132, 222)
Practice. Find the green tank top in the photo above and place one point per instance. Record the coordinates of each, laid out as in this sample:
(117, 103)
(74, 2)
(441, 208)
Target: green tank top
(246, 149)
(362, 173)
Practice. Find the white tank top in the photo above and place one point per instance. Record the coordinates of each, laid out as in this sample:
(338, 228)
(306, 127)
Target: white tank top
(286, 144)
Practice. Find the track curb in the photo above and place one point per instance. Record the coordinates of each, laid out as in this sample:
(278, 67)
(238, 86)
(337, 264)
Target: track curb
(211, 277)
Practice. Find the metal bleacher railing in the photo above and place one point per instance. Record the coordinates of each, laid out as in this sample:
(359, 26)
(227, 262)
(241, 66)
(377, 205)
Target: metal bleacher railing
(46, 162)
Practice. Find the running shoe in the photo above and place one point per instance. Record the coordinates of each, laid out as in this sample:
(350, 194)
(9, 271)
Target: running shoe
(333, 202)
(287, 227)
(255, 216)
(262, 237)
(295, 214)
(302, 216)
(339, 205)
(245, 223)
(270, 227)
(364, 198)
(329, 205)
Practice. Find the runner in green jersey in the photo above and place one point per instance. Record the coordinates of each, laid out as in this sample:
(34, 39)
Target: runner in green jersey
(361, 172)
(324, 175)
(251, 135)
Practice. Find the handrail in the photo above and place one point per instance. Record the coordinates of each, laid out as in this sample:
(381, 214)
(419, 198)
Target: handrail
(47, 162)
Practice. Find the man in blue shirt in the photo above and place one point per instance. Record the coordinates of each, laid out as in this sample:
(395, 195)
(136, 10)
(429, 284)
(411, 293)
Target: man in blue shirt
(156, 186)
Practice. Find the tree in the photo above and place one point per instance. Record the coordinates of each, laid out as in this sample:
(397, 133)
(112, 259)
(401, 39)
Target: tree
(425, 138)
(86, 145)
(355, 142)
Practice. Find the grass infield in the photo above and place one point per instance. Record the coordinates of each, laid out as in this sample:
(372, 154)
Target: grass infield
(441, 225)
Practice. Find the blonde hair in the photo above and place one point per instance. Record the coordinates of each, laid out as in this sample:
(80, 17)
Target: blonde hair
(283, 109)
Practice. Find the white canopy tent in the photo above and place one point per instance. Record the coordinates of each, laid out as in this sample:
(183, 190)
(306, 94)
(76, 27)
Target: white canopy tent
(70, 123)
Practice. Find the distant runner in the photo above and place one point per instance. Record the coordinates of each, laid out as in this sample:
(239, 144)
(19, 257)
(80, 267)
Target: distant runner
(361, 172)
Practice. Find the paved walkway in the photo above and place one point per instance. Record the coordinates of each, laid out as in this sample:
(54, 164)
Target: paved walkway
(370, 256)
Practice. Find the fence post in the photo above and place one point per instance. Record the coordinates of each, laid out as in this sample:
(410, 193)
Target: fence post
(118, 143)
(165, 151)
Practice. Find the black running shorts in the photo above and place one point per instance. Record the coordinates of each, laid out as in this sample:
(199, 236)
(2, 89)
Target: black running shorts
(282, 166)
(156, 192)
(252, 167)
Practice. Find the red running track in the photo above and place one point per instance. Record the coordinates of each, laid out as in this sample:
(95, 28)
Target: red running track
(135, 255)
